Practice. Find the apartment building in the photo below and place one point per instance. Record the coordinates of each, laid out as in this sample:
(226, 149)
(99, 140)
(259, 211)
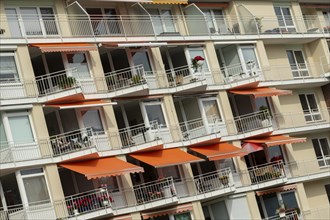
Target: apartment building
(164, 109)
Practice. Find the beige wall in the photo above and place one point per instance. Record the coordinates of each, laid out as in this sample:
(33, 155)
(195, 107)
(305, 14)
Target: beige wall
(316, 194)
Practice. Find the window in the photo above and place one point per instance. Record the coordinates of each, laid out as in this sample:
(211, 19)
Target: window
(198, 52)
(104, 21)
(35, 186)
(35, 21)
(216, 211)
(3, 136)
(91, 119)
(172, 171)
(310, 108)
(327, 189)
(8, 68)
(154, 113)
(297, 63)
(322, 151)
(284, 19)
(141, 57)
(183, 216)
(78, 61)
(210, 108)
(215, 21)
(162, 20)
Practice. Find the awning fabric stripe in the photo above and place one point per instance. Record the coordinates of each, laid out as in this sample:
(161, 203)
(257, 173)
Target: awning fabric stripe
(278, 189)
(169, 2)
(102, 167)
(276, 140)
(170, 211)
(82, 104)
(65, 47)
(219, 151)
(166, 157)
(262, 92)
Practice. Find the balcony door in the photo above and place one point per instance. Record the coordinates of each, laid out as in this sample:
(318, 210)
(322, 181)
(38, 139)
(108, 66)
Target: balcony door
(210, 114)
(297, 63)
(162, 20)
(79, 62)
(140, 57)
(284, 19)
(104, 21)
(309, 105)
(215, 21)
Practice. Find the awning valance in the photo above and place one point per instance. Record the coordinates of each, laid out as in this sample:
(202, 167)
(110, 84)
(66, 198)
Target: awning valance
(278, 189)
(276, 140)
(65, 47)
(170, 211)
(262, 92)
(219, 151)
(102, 167)
(166, 157)
(82, 104)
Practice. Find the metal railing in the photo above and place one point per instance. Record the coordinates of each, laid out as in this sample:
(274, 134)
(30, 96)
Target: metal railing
(288, 215)
(238, 72)
(266, 172)
(89, 201)
(11, 151)
(303, 168)
(212, 181)
(65, 25)
(125, 78)
(183, 75)
(253, 121)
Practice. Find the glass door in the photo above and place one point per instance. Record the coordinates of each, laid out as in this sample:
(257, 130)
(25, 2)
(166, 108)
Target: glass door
(79, 62)
(284, 19)
(249, 60)
(310, 107)
(297, 63)
(31, 21)
(14, 26)
(211, 114)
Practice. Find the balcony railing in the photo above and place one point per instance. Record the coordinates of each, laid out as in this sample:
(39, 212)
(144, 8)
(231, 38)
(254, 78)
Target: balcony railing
(12, 88)
(266, 172)
(307, 168)
(32, 26)
(289, 215)
(138, 134)
(125, 78)
(183, 75)
(11, 151)
(238, 72)
(252, 121)
(212, 181)
(89, 201)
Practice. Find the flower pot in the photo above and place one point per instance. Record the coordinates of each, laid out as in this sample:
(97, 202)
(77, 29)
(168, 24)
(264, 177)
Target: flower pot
(105, 202)
(281, 214)
(76, 212)
(200, 62)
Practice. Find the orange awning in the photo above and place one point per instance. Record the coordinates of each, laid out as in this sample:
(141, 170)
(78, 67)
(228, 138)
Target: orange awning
(276, 140)
(170, 211)
(102, 167)
(262, 92)
(82, 104)
(219, 151)
(278, 189)
(65, 47)
(169, 2)
(166, 157)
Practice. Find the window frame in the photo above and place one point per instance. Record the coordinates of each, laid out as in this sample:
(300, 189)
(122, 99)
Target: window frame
(310, 112)
(202, 110)
(324, 158)
(18, 69)
(163, 23)
(145, 115)
(80, 117)
(129, 52)
(214, 18)
(66, 65)
(285, 27)
(298, 68)
(189, 58)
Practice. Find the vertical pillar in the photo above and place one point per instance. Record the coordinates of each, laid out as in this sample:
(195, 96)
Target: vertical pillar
(172, 118)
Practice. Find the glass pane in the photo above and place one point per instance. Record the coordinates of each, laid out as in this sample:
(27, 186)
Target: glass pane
(303, 103)
(31, 21)
(78, 61)
(292, 61)
(278, 11)
(208, 16)
(211, 110)
(183, 216)
(271, 204)
(20, 129)
(289, 200)
(14, 27)
(36, 189)
(92, 119)
(157, 22)
(155, 113)
(299, 57)
(325, 146)
(200, 52)
(219, 209)
(97, 20)
(166, 16)
(250, 58)
(275, 153)
(112, 20)
(48, 18)
(8, 70)
(317, 148)
(312, 102)
(171, 171)
(10, 189)
(3, 137)
(141, 58)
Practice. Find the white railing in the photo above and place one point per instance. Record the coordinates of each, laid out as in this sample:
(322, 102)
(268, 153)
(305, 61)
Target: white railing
(252, 121)
(193, 129)
(57, 81)
(138, 134)
(238, 72)
(183, 75)
(72, 141)
(266, 172)
(288, 215)
(212, 181)
(303, 168)
(12, 88)
(89, 201)
(154, 191)
(125, 78)
(11, 151)
(301, 119)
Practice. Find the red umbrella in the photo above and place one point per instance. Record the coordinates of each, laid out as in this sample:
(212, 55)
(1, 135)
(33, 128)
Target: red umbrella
(251, 147)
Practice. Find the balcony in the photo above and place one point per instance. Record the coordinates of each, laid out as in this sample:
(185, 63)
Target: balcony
(236, 75)
(12, 89)
(253, 123)
(288, 215)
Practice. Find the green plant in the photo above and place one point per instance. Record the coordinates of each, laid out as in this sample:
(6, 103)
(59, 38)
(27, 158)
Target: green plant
(136, 79)
(67, 82)
(224, 180)
(259, 23)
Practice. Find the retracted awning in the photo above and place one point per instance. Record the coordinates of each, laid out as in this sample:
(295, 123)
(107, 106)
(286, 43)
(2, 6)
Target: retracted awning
(65, 47)
(276, 140)
(169, 2)
(170, 211)
(102, 167)
(262, 92)
(219, 151)
(278, 189)
(82, 104)
(166, 157)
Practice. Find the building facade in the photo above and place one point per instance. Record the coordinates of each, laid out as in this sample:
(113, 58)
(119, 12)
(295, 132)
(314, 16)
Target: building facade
(155, 109)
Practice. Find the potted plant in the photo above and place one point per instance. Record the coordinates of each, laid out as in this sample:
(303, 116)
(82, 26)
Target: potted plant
(137, 79)
(259, 24)
(197, 63)
(224, 180)
(66, 82)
